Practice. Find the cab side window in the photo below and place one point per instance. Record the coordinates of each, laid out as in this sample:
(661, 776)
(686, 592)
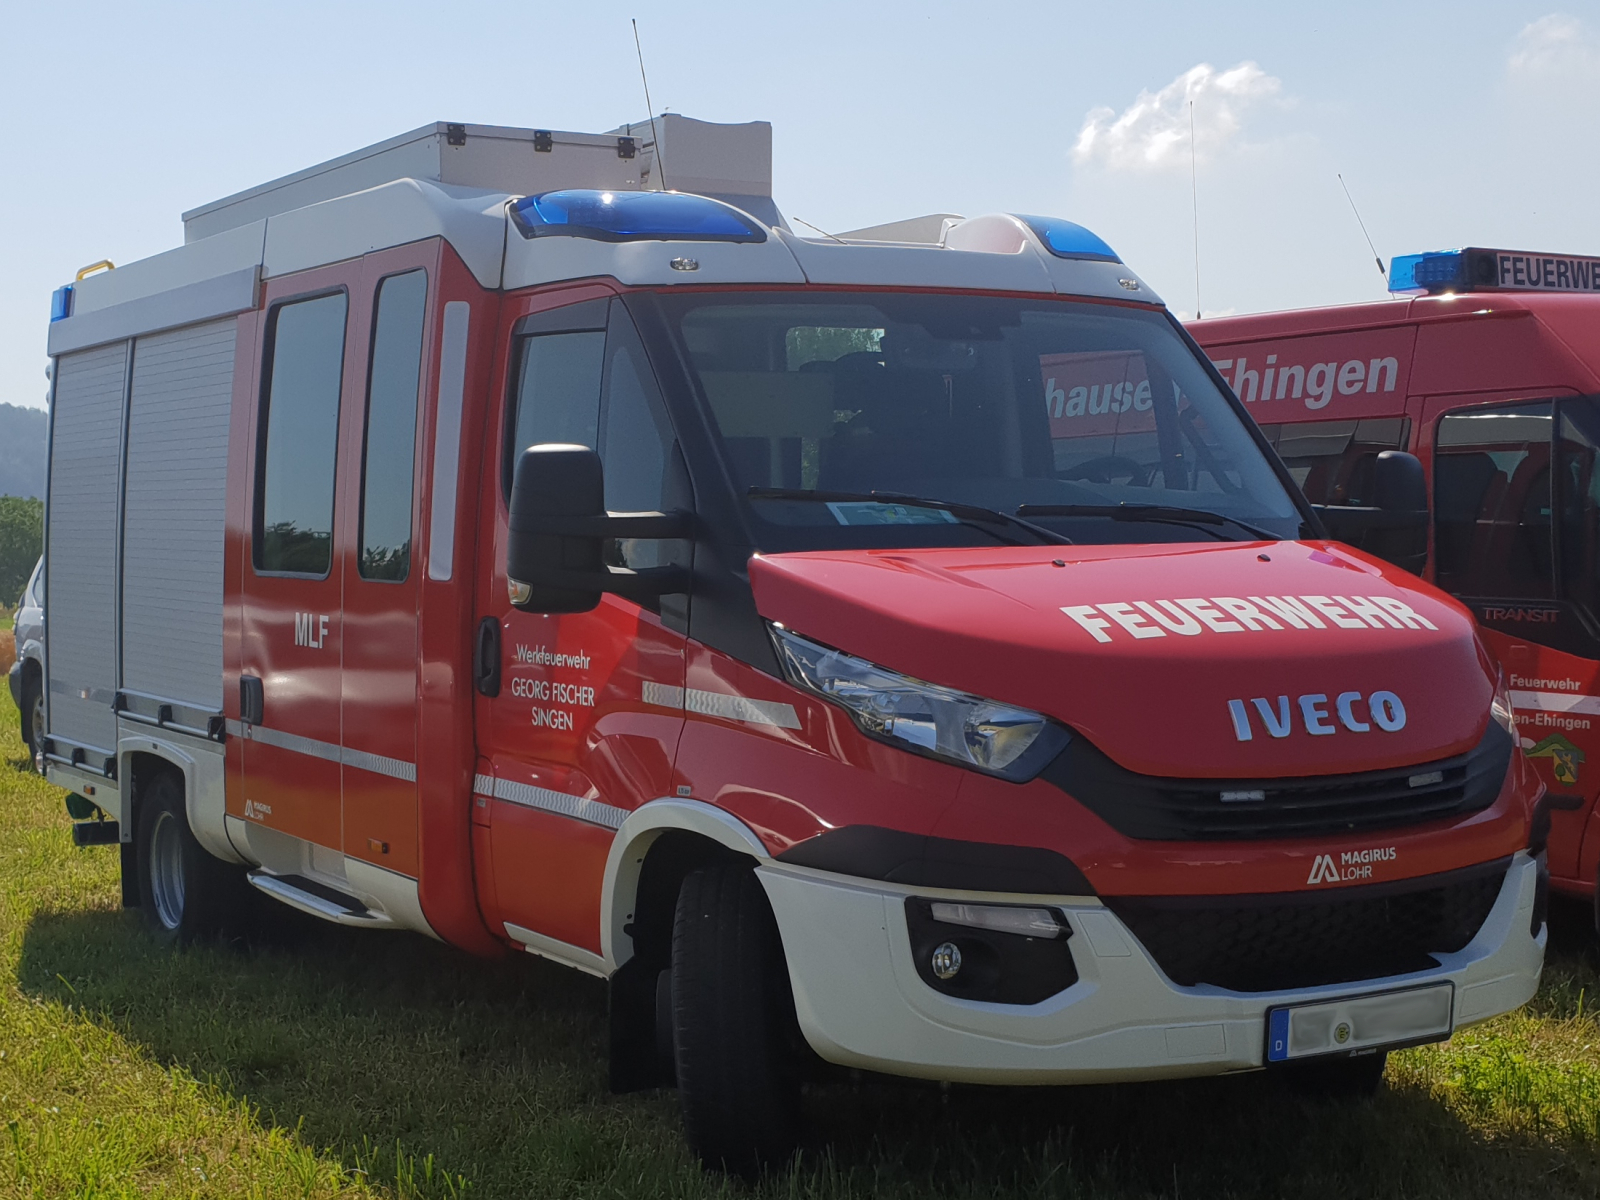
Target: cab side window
(304, 363)
(594, 387)
(1492, 502)
(390, 442)
(557, 392)
(636, 438)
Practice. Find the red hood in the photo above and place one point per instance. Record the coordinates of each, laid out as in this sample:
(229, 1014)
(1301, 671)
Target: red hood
(992, 622)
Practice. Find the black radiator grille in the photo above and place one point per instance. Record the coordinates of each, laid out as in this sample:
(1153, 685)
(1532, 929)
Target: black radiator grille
(1309, 939)
(1147, 807)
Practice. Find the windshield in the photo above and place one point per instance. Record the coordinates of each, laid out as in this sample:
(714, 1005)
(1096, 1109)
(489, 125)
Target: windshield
(1092, 422)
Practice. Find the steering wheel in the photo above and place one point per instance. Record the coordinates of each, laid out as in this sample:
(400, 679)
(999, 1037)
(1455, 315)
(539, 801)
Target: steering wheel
(1108, 467)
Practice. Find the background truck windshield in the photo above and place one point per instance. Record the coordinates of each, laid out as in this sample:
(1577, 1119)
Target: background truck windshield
(1052, 410)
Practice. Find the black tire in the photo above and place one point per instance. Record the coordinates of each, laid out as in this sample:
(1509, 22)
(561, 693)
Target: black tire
(185, 893)
(732, 1020)
(32, 714)
(1341, 1078)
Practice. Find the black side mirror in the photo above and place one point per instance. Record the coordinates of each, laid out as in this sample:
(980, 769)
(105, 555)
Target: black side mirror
(559, 526)
(1395, 526)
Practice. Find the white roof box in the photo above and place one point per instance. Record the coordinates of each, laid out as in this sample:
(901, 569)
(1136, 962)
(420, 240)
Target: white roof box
(731, 162)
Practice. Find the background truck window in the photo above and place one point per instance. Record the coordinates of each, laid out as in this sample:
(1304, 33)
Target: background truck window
(294, 499)
(390, 440)
(1578, 489)
(1334, 461)
(1492, 502)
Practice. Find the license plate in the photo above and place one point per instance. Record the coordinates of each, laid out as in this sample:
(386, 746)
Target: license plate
(1358, 1023)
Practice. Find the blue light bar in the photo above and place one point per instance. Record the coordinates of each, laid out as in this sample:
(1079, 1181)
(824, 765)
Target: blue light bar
(1480, 269)
(1418, 274)
(1065, 239)
(61, 303)
(633, 217)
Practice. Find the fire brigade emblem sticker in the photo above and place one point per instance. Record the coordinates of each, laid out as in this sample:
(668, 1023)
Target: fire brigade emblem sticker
(1565, 758)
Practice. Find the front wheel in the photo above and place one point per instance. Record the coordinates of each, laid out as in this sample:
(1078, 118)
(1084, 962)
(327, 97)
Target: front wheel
(185, 892)
(732, 1017)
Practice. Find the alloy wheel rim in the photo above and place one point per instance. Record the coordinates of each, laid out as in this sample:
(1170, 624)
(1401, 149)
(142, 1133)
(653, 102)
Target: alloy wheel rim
(36, 721)
(166, 870)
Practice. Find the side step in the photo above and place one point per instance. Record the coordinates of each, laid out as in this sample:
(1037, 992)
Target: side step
(320, 900)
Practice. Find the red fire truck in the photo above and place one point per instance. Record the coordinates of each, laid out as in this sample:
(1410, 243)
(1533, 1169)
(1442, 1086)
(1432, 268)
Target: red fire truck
(1487, 367)
(894, 650)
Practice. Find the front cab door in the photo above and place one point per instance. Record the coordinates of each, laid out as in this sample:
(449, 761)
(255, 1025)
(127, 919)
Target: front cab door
(589, 709)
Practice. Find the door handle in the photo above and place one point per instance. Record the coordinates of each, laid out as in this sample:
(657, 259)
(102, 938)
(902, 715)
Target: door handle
(252, 701)
(486, 658)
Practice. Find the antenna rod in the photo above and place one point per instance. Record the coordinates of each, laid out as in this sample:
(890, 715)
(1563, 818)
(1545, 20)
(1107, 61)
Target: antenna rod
(1363, 225)
(661, 161)
(1194, 196)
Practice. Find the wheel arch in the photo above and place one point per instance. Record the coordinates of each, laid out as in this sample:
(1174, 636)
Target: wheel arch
(141, 757)
(655, 848)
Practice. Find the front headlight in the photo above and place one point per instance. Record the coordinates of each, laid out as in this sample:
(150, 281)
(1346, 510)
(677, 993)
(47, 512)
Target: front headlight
(940, 722)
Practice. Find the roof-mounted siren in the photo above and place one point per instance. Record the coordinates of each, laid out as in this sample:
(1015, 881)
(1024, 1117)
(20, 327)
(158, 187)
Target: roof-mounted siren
(633, 217)
(1476, 269)
(1008, 233)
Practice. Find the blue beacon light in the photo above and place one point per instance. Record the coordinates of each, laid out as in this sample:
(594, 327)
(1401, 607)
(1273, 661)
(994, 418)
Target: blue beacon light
(633, 216)
(1066, 239)
(1418, 274)
(61, 303)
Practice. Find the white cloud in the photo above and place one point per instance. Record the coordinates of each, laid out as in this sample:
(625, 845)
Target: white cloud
(1152, 133)
(1554, 49)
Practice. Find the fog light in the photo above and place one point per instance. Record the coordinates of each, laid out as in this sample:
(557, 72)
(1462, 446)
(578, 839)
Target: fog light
(946, 960)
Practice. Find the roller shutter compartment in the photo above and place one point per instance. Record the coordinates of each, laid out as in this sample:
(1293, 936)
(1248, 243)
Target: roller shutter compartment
(81, 550)
(172, 548)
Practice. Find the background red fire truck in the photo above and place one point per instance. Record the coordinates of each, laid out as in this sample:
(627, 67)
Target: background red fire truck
(1489, 371)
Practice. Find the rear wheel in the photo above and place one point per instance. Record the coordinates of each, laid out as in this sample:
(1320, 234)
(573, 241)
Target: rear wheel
(732, 1013)
(32, 713)
(1341, 1078)
(185, 893)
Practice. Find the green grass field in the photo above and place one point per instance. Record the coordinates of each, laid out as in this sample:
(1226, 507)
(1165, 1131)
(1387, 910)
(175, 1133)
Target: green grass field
(338, 1063)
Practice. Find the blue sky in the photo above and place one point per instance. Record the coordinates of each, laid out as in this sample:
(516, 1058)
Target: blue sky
(1464, 123)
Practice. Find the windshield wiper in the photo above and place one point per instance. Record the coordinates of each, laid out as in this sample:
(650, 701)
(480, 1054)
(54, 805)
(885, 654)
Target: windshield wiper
(1162, 513)
(968, 514)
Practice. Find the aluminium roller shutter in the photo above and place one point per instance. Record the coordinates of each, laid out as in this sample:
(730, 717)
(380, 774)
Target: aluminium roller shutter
(173, 522)
(81, 549)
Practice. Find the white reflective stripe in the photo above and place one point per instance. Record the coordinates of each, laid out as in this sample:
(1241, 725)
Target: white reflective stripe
(447, 439)
(483, 785)
(723, 704)
(1572, 702)
(378, 764)
(594, 812)
(663, 694)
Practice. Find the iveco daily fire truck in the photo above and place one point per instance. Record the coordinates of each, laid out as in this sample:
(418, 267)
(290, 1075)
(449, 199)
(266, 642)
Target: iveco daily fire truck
(1488, 369)
(894, 650)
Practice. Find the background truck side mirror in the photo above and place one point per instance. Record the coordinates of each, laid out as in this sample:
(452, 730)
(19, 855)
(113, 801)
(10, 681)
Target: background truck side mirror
(1395, 526)
(559, 526)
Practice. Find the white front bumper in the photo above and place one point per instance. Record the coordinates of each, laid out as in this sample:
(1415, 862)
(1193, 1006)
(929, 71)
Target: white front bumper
(862, 1004)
